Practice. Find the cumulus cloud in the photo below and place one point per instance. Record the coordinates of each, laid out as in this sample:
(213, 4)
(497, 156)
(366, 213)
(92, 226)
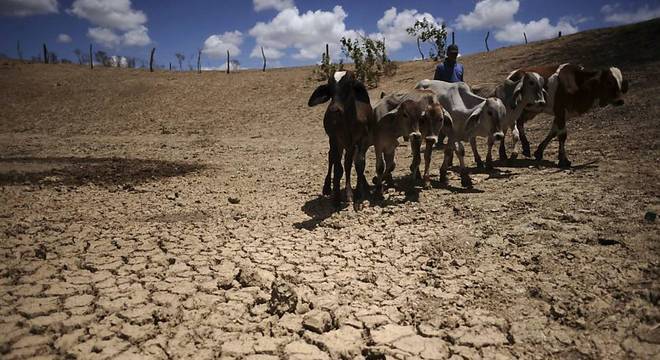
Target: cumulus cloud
(392, 26)
(104, 36)
(63, 38)
(535, 30)
(110, 17)
(307, 33)
(216, 46)
(27, 7)
(278, 5)
(499, 16)
(615, 14)
(488, 14)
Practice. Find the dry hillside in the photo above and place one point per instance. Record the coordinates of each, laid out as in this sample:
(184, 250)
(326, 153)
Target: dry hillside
(178, 215)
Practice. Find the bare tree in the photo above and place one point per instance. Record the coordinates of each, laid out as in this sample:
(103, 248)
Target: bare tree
(227, 61)
(79, 55)
(486, 41)
(180, 57)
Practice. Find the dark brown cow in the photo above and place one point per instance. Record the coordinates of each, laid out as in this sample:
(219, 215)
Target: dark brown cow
(347, 121)
(572, 91)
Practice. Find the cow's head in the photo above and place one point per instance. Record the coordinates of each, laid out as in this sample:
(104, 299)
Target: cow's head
(343, 89)
(609, 85)
(408, 117)
(529, 92)
(490, 114)
(434, 119)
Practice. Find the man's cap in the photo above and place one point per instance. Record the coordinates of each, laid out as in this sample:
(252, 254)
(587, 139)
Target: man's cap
(452, 49)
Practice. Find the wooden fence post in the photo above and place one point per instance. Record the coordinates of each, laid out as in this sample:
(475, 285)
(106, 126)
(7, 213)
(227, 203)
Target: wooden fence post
(227, 61)
(525, 35)
(559, 35)
(453, 38)
(151, 60)
(264, 56)
(170, 66)
(486, 41)
(199, 61)
(91, 60)
(45, 54)
(18, 50)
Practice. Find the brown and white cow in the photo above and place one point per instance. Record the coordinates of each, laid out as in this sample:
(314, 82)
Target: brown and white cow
(572, 91)
(347, 123)
(413, 115)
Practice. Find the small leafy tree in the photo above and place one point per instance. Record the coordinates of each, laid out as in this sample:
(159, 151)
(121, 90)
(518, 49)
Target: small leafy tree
(427, 31)
(370, 59)
(102, 57)
(180, 57)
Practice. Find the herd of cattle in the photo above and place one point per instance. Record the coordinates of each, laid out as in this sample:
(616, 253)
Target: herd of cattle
(435, 110)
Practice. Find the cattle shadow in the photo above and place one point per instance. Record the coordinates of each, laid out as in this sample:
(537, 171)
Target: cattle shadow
(525, 163)
(76, 171)
(318, 209)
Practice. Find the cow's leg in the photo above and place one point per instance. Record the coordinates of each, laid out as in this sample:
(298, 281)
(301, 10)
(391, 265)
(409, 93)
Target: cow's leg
(338, 173)
(380, 170)
(427, 162)
(415, 145)
(514, 142)
(502, 149)
(390, 164)
(327, 190)
(475, 152)
(520, 123)
(562, 133)
(538, 154)
(360, 164)
(447, 161)
(348, 164)
(489, 156)
(465, 177)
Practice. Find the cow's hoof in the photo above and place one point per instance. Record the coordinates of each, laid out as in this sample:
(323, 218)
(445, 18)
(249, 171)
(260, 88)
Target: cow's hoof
(427, 182)
(327, 190)
(358, 206)
(514, 155)
(374, 180)
(503, 156)
(564, 164)
(480, 164)
(527, 152)
(466, 182)
(443, 177)
(538, 155)
(336, 202)
(417, 175)
(489, 165)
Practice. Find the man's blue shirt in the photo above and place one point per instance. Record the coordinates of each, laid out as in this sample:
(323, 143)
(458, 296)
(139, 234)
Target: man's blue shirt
(449, 72)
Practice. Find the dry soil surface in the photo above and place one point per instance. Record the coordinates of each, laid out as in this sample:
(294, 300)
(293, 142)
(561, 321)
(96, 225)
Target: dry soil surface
(177, 215)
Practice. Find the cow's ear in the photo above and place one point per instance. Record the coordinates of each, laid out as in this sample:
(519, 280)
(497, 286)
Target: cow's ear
(624, 86)
(517, 93)
(361, 93)
(447, 121)
(473, 121)
(320, 95)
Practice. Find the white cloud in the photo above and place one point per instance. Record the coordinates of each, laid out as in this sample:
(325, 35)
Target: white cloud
(216, 46)
(393, 26)
(27, 7)
(278, 5)
(307, 33)
(499, 15)
(614, 14)
(488, 14)
(535, 30)
(63, 38)
(104, 36)
(110, 16)
(136, 37)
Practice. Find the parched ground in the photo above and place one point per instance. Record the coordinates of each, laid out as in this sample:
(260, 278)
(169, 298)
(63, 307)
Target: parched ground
(177, 215)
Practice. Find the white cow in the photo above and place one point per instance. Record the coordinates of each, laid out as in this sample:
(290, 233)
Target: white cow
(525, 93)
(472, 116)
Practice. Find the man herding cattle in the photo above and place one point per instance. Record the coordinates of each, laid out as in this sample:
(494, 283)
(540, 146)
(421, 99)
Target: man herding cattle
(449, 70)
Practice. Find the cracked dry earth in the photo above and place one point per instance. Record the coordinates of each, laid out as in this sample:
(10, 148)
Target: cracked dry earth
(179, 216)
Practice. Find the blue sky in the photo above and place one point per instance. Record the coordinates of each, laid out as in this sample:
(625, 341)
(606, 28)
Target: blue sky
(293, 32)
